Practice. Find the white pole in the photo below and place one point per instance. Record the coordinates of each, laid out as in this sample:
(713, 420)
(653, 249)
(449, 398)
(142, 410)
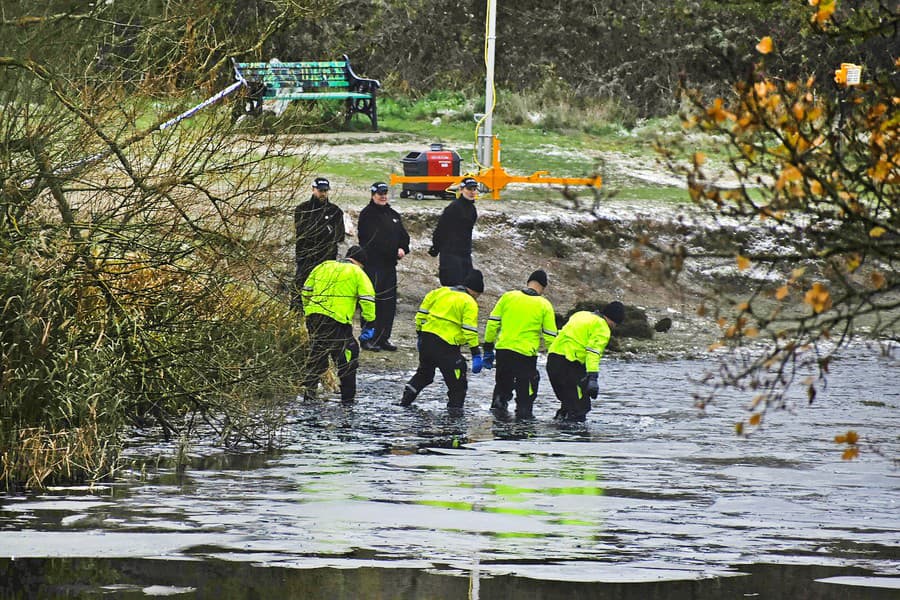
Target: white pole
(485, 140)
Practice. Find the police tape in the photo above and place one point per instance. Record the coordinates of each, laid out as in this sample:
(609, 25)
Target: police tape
(170, 123)
(212, 100)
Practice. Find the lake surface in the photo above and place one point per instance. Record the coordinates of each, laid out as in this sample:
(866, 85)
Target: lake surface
(650, 499)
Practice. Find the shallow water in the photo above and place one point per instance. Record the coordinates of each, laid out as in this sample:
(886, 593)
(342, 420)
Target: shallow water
(650, 498)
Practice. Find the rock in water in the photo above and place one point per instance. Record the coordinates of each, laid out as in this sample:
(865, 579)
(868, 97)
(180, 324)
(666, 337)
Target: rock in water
(663, 325)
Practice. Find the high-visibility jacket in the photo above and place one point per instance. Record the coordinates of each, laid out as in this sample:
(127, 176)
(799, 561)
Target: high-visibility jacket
(335, 287)
(451, 314)
(518, 321)
(583, 339)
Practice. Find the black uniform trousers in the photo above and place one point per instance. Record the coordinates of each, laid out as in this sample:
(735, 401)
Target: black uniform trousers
(435, 353)
(515, 372)
(384, 280)
(454, 268)
(327, 338)
(567, 378)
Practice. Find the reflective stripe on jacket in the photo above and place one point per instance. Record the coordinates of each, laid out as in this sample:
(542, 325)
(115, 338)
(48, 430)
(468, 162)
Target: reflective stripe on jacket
(451, 314)
(335, 287)
(583, 339)
(518, 320)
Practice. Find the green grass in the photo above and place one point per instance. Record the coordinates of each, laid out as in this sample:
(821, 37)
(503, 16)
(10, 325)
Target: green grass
(360, 174)
(657, 193)
(564, 140)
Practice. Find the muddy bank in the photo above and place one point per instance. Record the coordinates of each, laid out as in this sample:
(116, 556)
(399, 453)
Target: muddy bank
(589, 257)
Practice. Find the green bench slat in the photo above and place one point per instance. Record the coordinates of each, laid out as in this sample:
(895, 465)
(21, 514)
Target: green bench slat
(316, 96)
(307, 86)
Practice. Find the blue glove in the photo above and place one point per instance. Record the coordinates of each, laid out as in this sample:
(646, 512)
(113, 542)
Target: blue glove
(367, 334)
(477, 363)
(591, 386)
(488, 359)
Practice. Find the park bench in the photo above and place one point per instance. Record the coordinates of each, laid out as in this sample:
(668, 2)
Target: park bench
(307, 80)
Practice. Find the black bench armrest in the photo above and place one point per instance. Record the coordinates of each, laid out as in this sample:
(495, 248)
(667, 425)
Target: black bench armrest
(360, 84)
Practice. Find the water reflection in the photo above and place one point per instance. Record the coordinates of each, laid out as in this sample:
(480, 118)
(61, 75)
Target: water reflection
(216, 579)
(648, 490)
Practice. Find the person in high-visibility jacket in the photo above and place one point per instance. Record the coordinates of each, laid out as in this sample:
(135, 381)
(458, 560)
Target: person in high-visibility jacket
(517, 323)
(446, 320)
(330, 295)
(573, 359)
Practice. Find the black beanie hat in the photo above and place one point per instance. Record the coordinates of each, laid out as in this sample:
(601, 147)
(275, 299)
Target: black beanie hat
(357, 254)
(539, 276)
(615, 311)
(474, 281)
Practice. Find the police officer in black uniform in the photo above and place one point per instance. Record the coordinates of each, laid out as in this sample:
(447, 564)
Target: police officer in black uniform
(452, 238)
(319, 228)
(385, 240)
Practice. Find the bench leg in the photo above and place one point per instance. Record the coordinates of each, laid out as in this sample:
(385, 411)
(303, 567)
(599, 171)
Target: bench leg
(365, 106)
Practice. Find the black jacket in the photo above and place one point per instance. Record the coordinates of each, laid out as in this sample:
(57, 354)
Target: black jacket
(453, 234)
(381, 233)
(319, 227)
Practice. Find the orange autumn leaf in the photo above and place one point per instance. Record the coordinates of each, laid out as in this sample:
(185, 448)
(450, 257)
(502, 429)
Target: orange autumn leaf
(880, 171)
(877, 232)
(850, 454)
(878, 280)
(792, 173)
(765, 45)
(781, 293)
(818, 298)
(826, 9)
(743, 263)
(877, 110)
(789, 174)
(717, 111)
(761, 89)
(755, 419)
(815, 187)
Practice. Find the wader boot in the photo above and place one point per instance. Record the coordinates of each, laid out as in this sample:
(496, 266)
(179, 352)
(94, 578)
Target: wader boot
(409, 396)
(524, 408)
(500, 408)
